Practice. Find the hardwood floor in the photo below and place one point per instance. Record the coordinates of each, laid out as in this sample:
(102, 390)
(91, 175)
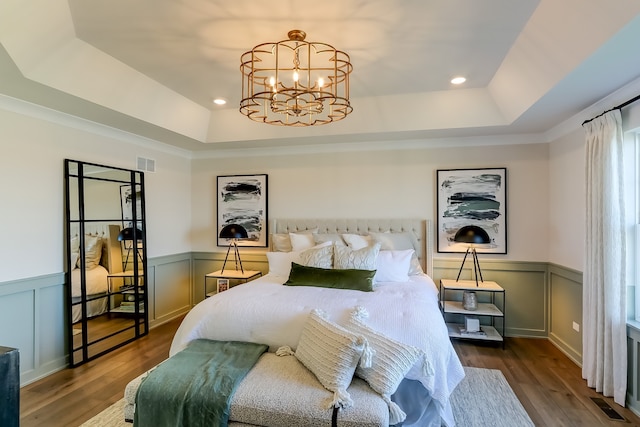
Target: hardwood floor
(547, 383)
(72, 396)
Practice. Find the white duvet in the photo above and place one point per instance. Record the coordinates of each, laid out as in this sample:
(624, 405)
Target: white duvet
(267, 312)
(96, 281)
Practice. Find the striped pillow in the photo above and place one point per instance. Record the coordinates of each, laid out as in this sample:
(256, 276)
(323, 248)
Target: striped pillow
(331, 353)
(390, 362)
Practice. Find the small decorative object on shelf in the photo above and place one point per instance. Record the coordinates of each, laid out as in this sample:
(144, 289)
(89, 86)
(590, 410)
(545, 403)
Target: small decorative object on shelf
(223, 285)
(469, 301)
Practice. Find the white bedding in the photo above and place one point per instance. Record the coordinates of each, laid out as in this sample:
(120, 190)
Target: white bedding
(264, 311)
(96, 281)
(97, 284)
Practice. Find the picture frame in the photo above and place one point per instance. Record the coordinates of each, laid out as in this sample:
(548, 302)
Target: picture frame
(472, 197)
(223, 285)
(126, 204)
(242, 200)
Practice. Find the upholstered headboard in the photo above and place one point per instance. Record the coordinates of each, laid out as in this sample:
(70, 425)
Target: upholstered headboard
(419, 229)
(111, 257)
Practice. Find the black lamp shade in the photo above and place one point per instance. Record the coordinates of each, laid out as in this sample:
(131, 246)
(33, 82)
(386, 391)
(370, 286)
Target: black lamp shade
(472, 234)
(127, 234)
(233, 231)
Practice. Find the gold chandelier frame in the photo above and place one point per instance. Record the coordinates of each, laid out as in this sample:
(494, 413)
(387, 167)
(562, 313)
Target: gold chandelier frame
(295, 83)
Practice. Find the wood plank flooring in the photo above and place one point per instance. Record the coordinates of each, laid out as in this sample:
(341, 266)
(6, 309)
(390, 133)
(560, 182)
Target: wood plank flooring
(548, 384)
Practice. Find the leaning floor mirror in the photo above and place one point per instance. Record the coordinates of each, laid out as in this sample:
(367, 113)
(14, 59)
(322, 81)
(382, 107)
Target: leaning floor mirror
(106, 259)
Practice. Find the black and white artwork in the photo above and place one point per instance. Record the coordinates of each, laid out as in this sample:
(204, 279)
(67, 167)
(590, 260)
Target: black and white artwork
(472, 197)
(242, 200)
(127, 198)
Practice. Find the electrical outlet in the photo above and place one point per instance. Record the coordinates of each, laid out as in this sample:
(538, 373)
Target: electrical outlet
(576, 327)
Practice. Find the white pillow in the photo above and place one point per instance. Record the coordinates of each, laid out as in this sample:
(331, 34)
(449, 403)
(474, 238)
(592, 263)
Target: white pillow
(281, 242)
(280, 262)
(74, 260)
(333, 238)
(92, 251)
(75, 244)
(320, 256)
(331, 352)
(301, 241)
(393, 266)
(356, 241)
(399, 242)
(360, 259)
(391, 361)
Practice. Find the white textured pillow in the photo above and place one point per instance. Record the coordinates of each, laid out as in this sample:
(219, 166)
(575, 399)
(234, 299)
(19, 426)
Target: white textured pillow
(280, 262)
(399, 242)
(301, 241)
(281, 242)
(320, 256)
(92, 251)
(74, 260)
(75, 244)
(360, 259)
(331, 352)
(391, 361)
(333, 238)
(393, 266)
(356, 241)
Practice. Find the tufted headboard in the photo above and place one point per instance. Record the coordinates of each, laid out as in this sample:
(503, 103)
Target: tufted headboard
(419, 229)
(111, 257)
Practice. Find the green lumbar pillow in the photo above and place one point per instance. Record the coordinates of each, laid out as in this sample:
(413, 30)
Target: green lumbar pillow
(359, 280)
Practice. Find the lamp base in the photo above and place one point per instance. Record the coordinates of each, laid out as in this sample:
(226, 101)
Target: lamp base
(236, 255)
(476, 265)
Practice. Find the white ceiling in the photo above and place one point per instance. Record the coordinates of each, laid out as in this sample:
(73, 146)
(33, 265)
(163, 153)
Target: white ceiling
(152, 67)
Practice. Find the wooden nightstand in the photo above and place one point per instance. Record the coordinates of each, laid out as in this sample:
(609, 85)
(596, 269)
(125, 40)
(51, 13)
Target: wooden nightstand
(236, 275)
(484, 310)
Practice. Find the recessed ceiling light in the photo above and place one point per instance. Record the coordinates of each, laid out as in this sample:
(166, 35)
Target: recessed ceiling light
(458, 80)
(219, 101)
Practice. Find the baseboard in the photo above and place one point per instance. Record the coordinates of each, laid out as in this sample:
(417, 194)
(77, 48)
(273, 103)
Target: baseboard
(571, 353)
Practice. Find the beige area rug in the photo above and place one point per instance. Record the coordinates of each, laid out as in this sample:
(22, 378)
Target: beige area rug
(483, 398)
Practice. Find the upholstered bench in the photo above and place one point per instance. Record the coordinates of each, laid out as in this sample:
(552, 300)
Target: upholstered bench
(280, 391)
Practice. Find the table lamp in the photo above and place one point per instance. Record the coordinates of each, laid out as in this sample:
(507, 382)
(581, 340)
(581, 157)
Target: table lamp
(127, 235)
(233, 232)
(472, 235)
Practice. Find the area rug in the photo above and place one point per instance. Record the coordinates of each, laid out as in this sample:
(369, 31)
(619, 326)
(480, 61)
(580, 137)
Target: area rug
(482, 399)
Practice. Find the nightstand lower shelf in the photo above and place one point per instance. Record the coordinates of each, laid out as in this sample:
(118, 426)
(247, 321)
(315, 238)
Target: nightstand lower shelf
(491, 333)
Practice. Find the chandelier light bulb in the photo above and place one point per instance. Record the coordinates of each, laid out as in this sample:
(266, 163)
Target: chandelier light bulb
(272, 81)
(320, 82)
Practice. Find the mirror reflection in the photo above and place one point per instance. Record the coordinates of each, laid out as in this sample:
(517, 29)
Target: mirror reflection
(106, 258)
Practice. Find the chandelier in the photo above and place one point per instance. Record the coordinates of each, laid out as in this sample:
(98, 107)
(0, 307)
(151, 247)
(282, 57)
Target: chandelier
(295, 83)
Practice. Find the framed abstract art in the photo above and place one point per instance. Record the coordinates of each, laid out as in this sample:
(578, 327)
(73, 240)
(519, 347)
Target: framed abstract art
(472, 197)
(242, 200)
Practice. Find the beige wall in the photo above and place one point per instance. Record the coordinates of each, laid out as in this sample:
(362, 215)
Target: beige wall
(34, 143)
(380, 184)
(567, 200)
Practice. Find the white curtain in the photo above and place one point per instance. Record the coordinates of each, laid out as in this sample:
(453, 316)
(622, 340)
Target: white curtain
(604, 348)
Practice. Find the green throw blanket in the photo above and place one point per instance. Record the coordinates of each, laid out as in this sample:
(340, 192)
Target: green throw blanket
(194, 387)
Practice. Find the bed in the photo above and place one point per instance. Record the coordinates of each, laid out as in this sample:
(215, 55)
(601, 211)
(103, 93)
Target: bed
(103, 256)
(402, 308)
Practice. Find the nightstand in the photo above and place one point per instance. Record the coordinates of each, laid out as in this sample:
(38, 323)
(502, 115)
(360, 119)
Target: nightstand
(488, 310)
(132, 295)
(236, 275)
